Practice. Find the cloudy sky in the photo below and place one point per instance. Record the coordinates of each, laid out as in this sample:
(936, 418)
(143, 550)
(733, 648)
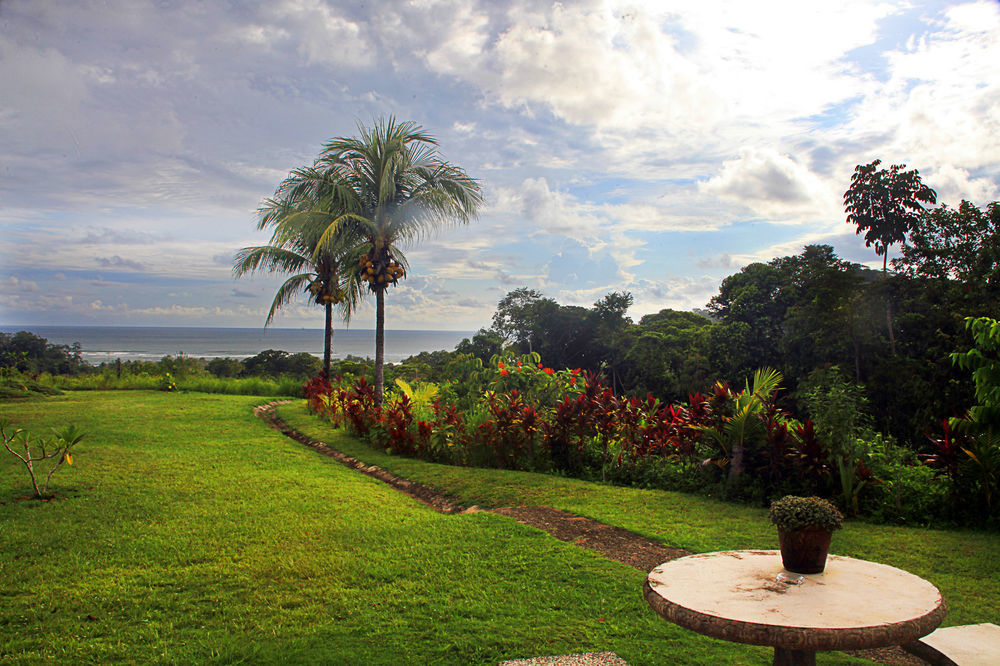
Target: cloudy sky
(651, 147)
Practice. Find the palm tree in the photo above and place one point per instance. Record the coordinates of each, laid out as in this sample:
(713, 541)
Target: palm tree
(300, 216)
(393, 187)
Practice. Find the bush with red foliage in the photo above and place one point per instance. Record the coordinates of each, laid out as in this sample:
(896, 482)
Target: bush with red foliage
(511, 434)
(317, 391)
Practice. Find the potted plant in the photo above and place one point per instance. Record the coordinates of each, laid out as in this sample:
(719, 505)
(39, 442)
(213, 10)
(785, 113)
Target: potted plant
(805, 526)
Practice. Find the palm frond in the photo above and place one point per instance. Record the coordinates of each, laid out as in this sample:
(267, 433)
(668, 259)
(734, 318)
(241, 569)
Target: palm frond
(286, 292)
(268, 258)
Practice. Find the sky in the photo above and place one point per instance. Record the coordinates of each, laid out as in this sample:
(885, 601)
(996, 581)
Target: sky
(650, 147)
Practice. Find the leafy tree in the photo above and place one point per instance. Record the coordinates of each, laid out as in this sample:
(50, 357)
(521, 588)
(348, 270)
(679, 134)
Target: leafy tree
(666, 354)
(299, 214)
(757, 298)
(886, 204)
(611, 309)
(610, 315)
(27, 352)
(274, 363)
(484, 345)
(180, 366)
(516, 316)
(225, 367)
(565, 336)
(391, 187)
(958, 249)
(825, 320)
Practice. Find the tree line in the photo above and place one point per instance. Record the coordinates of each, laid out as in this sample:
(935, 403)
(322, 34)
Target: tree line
(891, 333)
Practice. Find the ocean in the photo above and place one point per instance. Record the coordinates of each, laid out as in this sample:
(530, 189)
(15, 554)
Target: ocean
(101, 344)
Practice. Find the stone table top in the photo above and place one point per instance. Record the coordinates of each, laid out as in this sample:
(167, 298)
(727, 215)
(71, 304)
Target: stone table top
(853, 604)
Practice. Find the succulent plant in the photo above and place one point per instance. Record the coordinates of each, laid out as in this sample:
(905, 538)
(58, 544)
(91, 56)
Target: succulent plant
(803, 513)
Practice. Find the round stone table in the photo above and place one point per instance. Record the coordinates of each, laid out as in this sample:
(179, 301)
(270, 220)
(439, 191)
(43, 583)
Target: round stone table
(736, 596)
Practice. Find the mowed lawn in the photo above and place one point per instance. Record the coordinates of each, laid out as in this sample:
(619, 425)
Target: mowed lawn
(189, 532)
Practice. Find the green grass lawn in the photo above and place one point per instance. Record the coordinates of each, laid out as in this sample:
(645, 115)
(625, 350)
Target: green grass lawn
(189, 532)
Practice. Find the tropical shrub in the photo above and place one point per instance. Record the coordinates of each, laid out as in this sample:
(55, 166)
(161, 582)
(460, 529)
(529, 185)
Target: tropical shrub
(901, 489)
(979, 470)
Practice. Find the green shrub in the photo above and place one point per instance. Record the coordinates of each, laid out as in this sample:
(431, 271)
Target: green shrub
(225, 367)
(14, 385)
(799, 513)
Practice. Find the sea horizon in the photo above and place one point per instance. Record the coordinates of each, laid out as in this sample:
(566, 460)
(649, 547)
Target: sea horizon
(104, 344)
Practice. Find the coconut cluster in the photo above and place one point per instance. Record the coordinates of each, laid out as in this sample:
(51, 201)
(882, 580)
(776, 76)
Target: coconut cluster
(379, 273)
(325, 296)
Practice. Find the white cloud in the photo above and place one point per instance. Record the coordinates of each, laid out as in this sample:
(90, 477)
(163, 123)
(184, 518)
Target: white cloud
(771, 185)
(324, 36)
(463, 36)
(623, 67)
(954, 184)
(941, 103)
(683, 293)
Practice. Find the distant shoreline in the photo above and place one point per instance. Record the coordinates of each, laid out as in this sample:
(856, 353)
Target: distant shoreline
(104, 344)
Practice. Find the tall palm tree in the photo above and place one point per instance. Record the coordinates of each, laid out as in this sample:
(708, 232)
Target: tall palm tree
(299, 213)
(393, 187)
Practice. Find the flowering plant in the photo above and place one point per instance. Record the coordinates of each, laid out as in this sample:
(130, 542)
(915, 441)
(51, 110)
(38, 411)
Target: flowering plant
(167, 383)
(538, 385)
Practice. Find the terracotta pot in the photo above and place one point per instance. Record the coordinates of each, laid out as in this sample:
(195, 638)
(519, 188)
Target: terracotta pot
(804, 551)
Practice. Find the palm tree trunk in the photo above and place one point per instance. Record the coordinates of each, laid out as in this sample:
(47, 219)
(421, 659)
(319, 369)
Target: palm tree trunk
(736, 464)
(379, 344)
(328, 340)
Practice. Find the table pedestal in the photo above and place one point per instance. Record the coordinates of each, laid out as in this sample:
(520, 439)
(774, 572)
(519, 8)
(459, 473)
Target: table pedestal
(783, 657)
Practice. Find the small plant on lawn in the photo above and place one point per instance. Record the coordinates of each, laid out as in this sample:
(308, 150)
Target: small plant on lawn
(168, 383)
(792, 513)
(38, 449)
